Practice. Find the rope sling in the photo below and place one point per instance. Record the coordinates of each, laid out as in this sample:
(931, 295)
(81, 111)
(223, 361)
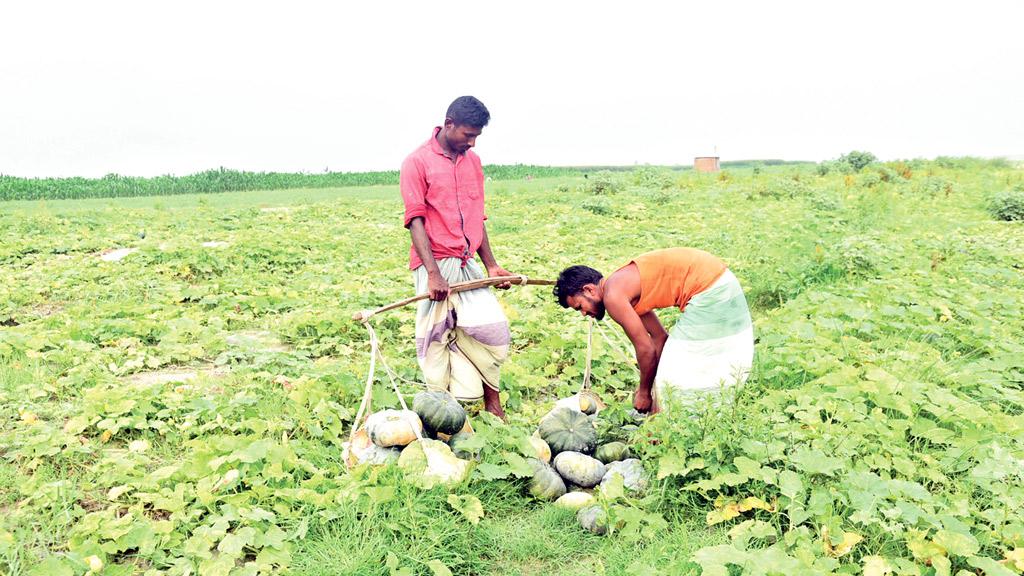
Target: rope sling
(375, 350)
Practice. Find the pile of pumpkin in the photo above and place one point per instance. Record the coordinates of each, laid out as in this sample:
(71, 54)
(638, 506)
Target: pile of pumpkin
(416, 439)
(570, 462)
(581, 463)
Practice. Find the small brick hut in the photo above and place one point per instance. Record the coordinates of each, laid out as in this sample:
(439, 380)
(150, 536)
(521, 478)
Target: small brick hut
(706, 164)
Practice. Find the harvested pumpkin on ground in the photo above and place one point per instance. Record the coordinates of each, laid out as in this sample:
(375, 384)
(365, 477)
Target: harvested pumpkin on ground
(362, 450)
(439, 411)
(634, 478)
(568, 430)
(389, 428)
(428, 463)
(459, 443)
(580, 469)
(541, 449)
(546, 484)
(574, 500)
(593, 519)
(585, 401)
(611, 452)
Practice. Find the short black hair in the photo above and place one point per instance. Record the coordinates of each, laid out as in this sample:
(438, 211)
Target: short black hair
(572, 280)
(468, 111)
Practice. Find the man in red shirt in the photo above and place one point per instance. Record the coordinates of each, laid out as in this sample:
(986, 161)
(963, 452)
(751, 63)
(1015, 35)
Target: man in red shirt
(461, 339)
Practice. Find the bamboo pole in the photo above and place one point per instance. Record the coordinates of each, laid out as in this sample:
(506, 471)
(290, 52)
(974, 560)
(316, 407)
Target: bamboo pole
(364, 315)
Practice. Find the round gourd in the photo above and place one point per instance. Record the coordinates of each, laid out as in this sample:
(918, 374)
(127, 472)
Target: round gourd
(593, 519)
(363, 451)
(611, 452)
(389, 428)
(546, 484)
(541, 449)
(589, 402)
(632, 471)
(457, 443)
(574, 500)
(579, 469)
(428, 463)
(568, 430)
(439, 411)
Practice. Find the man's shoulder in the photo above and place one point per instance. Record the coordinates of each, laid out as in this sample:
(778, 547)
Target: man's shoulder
(418, 156)
(419, 151)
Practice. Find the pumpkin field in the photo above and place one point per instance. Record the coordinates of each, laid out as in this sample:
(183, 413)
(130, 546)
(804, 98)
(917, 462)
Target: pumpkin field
(179, 376)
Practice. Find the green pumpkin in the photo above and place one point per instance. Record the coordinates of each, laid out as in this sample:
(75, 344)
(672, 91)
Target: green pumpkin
(568, 430)
(457, 444)
(439, 411)
(611, 452)
(546, 484)
(634, 478)
(593, 519)
(580, 469)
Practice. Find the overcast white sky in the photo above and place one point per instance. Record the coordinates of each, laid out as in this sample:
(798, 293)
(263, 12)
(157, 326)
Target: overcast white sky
(148, 88)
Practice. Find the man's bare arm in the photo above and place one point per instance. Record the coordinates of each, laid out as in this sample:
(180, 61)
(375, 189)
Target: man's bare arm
(490, 263)
(646, 353)
(437, 286)
(658, 334)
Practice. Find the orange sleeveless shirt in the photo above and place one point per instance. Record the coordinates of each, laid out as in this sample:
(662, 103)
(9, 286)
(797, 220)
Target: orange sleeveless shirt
(672, 276)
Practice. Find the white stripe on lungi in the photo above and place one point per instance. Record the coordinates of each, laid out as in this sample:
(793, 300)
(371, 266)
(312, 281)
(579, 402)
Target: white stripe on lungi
(710, 347)
(461, 342)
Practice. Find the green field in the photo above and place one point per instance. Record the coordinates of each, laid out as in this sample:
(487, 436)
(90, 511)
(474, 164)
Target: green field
(181, 410)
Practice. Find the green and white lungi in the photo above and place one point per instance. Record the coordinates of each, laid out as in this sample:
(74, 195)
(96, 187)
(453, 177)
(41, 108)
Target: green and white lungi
(711, 345)
(461, 342)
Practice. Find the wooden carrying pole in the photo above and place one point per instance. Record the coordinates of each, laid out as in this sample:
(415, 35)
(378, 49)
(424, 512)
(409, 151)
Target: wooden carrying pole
(365, 315)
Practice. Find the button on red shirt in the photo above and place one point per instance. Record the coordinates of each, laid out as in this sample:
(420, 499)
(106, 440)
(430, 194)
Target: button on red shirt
(449, 196)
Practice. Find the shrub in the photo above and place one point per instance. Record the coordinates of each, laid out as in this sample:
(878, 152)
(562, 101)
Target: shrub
(833, 166)
(861, 256)
(825, 202)
(604, 182)
(653, 178)
(902, 169)
(870, 180)
(857, 160)
(598, 206)
(1008, 205)
(781, 188)
(935, 185)
(887, 174)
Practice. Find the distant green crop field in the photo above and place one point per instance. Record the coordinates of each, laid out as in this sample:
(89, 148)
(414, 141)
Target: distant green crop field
(178, 375)
(222, 180)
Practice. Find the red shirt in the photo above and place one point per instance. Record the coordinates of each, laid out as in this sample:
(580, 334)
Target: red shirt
(449, 196)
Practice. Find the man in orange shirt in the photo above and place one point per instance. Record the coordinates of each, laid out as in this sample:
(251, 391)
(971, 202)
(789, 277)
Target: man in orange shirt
(711, 344)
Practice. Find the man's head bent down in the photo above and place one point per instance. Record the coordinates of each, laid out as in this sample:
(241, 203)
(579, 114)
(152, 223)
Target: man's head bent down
(463, 122)
(581, 288)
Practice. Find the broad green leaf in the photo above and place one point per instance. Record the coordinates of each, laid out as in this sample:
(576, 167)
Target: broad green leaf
(876, 566)
(814, 461)
(52, 567)
(438, 568)
(990, 566)
(519, 466)
(956, 543)
(468, 505)
(790, 484)
(490, 471)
